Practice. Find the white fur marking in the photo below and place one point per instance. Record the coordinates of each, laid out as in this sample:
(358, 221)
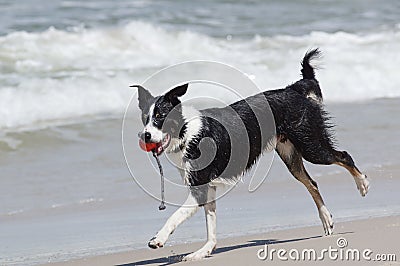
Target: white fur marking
(219, 181)
(151, 112)
(156, 134)
(271, 145)
(314, 97)
(193, 119)
(286, 149)
(326, 219)
(362, 184)
(211, 219)
(189, 208)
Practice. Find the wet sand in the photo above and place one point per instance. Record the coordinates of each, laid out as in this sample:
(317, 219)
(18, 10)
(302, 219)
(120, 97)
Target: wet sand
(380, 235)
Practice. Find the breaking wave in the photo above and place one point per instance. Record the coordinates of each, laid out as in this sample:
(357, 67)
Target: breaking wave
(57, 75)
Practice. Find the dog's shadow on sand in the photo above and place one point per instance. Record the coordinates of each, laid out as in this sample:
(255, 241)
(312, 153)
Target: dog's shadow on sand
(252, 243)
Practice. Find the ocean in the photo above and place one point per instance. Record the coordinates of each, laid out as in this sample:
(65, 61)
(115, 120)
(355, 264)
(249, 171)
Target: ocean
(65, 71)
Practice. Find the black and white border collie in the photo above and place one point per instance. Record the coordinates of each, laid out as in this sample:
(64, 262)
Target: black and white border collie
(301, 131)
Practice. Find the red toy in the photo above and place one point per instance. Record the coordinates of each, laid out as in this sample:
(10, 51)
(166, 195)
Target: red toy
(148, 146)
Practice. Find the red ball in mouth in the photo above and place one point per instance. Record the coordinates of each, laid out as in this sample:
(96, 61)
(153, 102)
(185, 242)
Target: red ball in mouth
(149, 146)
(157, 147)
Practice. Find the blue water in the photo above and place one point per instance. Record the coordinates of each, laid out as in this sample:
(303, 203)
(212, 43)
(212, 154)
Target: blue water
(213, 18)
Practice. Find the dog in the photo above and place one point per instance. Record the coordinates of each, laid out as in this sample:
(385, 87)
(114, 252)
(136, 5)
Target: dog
(240, 133)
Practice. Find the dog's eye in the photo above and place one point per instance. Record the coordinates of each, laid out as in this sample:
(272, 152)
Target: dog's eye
(157, 115)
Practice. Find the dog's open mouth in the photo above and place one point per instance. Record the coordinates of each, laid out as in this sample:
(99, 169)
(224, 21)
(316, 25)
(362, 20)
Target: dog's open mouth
(157, 147)
(162, 145)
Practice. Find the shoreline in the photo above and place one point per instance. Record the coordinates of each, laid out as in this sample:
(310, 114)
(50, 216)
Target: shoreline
(378, 234)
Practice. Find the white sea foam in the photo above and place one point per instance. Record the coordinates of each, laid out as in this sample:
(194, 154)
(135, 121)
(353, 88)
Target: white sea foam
(58, 75)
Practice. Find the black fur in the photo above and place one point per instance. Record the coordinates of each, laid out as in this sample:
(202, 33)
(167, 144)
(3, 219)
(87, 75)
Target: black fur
(307, 70)
(297, 118)
(226, 142)
(243, 130)
(308, 86)
(240, 131)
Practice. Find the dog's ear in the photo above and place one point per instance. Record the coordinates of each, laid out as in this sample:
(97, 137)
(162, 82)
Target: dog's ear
(144, 97)
(176, 92)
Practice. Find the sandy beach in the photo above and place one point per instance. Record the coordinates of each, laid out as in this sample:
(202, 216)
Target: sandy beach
(380, 235)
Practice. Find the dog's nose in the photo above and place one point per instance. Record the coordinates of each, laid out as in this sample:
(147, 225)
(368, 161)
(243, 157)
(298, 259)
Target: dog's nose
(146, 136)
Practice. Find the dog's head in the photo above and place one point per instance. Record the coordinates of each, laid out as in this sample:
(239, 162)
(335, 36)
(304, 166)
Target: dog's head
(161, 116)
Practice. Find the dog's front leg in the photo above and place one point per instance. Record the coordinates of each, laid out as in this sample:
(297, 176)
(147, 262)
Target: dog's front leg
(189, 208)
(211, 219)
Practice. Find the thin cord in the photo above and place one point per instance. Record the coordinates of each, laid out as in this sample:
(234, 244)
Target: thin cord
(162, 205)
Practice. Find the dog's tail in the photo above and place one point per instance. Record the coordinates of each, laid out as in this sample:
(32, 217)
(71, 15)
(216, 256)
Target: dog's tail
(309, 86)
(307, 70)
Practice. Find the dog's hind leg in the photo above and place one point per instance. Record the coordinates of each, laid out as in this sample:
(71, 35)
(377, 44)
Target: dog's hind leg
(211, 220)
(189, 208)
(327, 155)
(344, 159)
(294, 162)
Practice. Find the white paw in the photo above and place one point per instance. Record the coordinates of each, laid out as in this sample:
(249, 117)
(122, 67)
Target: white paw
(155, 243)
(205, 251)
(362, 184)
(198, 255)
(327, 221)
